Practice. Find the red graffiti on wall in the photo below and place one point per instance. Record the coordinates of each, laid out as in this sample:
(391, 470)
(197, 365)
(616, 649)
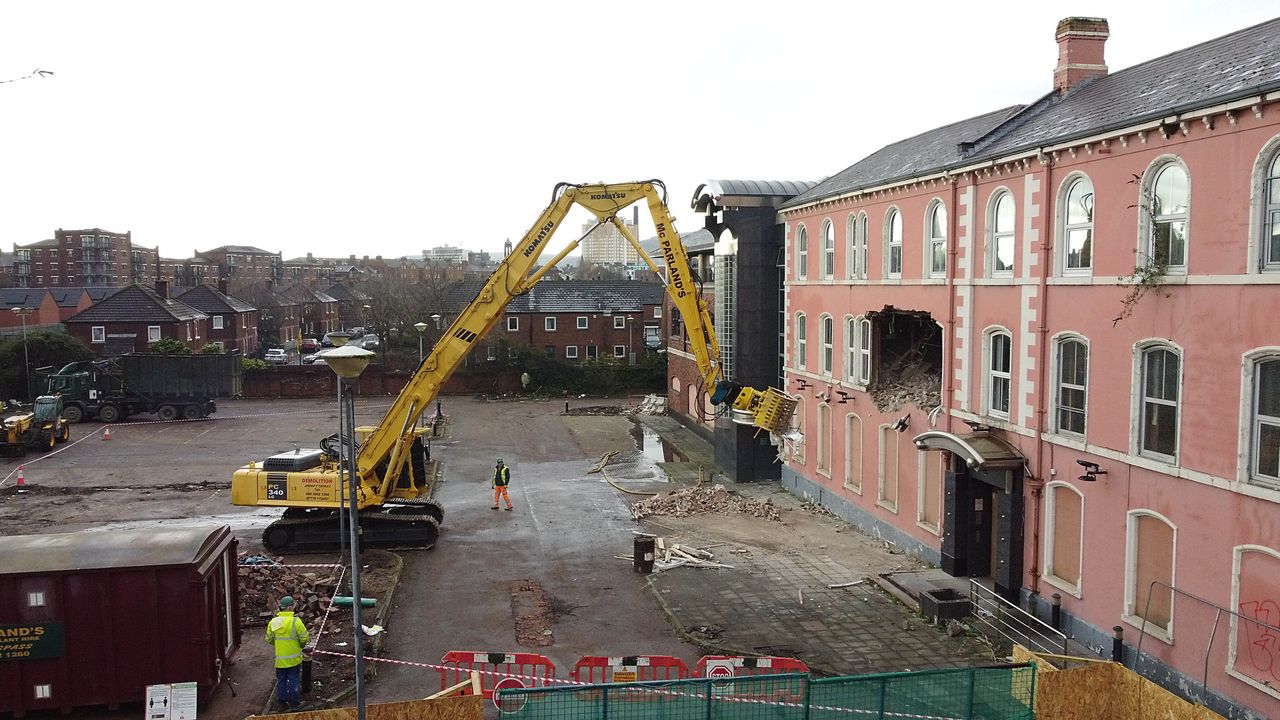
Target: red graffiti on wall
(1264, 643)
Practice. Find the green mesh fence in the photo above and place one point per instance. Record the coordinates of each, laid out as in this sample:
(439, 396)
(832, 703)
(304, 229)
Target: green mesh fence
(995, 693)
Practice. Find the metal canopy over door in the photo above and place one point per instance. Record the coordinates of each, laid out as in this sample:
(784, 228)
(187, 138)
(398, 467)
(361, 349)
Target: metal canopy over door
(982, 532)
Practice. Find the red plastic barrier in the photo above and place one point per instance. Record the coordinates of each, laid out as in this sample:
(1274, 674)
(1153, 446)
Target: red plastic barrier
(750, 666)
(528, 669)
(598, 669)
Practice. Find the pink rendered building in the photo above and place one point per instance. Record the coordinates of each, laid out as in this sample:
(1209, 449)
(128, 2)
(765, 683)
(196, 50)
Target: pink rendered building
(1042, 346)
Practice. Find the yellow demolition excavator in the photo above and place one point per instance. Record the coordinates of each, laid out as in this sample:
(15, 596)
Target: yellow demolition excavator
(394, 493)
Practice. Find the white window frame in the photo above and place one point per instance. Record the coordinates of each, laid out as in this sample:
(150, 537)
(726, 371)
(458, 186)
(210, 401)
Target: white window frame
(571, 352)
(583, 322)
(1148, 220)
(35, 598)
(619, 322)
(513, 323)
(828, 250)
(864, 351)
(1130, 613)
(1265, 218)
(1233, 649)
(619, 351)
(856, 243)
(549, 323)
(850, 348)
(802, 341)
(1140, 400)
(98, 334)
(154, 334)
(802, 252)
(217, 322)
(825, 435)
(1253, 420)
(826, 335)
(657, 311)
(996, 235)
(1059, 342)
(935, 243)
(892, 241)
(923, 458)
(1066, 227)
(1050, 509)
(991, 375)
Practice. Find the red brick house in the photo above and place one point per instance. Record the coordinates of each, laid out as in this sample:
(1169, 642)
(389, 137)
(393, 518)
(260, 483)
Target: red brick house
(319, 311)
(71, 300)
(132, 317)
(232, 321)
(36, 305)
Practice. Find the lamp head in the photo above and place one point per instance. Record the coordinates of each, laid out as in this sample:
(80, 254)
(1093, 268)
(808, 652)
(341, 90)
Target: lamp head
(420, 326)
(348, 361)
(339, 338)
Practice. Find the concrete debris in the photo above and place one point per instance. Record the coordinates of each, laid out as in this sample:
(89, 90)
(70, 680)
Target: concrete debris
(652, 405)
(262, 585)
(698, 500)
(598, 410)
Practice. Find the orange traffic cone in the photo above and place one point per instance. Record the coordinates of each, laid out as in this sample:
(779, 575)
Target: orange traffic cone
(22, 482)
(106, 433)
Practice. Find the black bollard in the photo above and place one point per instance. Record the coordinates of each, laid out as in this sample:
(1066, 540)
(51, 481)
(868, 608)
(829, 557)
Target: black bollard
(1055, 615)
(1117, 644)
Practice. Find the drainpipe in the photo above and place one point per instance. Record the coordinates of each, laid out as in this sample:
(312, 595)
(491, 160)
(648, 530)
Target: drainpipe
(1036, 483)
(948, 359)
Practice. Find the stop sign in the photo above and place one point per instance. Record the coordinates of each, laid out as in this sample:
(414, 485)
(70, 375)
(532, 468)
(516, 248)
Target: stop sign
(508, 705)
(719, 672)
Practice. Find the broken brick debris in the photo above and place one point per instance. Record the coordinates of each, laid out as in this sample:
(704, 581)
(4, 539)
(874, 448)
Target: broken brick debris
(263, 584)
(698, 500)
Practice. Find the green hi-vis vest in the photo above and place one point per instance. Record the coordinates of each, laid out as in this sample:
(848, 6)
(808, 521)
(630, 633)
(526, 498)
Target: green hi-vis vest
(501, 476)
(288, 634)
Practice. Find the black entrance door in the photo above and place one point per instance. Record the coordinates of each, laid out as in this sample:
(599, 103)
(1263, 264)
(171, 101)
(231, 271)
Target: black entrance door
(983, 526)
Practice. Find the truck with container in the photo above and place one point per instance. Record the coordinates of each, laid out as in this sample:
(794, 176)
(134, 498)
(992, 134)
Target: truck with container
(167, 386)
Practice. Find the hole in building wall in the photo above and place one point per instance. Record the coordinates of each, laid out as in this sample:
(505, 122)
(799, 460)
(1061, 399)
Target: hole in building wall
(907, 359)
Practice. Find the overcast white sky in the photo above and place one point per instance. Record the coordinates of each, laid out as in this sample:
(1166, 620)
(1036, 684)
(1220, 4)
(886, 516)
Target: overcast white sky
(382, 128)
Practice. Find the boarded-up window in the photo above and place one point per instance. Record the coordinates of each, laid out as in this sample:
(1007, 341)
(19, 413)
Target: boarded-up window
(1066, 515)
(824, 439)
(1151, 560)
(853, 452)
(1255, 646)
(888, 467)
(930, 500)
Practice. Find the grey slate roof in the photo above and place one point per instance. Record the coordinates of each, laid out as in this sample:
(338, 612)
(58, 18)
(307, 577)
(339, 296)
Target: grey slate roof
(571, 296)
(68, 296)
(28, 298)
(345, 293)
(1234, 66)
(242, 249)
(137, 304)
(306, 295)
(746, 192)
(51, 242)
(923, 154)
(698, 241)
(209, 299)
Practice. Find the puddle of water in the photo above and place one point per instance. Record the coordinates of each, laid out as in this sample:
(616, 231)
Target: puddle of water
(655, 448)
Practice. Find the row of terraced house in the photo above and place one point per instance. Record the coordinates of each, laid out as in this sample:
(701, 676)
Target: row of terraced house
(1039, 348)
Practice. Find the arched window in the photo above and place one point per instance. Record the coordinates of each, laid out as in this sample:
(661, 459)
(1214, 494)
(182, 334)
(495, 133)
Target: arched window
(893, 243)
(1064, 536)
(824, 439)
(1160, 374)
(1000, 246)
(802, 252)
(853, 453)
(1264, 465)
(1077, 227)
(1269, 203)
(864, 351)
(802, 341)
(999, 372)
(937, 233)
(827, 331)
(1071, 395)
(1167, 201)
(854, 261)
(828, 250)
(1149, 572)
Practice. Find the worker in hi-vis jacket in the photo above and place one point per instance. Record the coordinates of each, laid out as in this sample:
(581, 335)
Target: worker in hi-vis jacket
(501, 479)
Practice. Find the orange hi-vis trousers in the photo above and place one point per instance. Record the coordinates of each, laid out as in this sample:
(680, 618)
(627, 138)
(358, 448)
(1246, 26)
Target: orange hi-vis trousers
(500, 491)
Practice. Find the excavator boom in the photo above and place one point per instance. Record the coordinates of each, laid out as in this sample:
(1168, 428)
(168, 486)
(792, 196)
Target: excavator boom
(393, 494)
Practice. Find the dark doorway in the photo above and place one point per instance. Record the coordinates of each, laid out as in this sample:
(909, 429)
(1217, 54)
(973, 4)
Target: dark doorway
(983, 526)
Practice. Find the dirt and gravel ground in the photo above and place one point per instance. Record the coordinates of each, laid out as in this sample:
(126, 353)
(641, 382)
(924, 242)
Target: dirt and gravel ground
(543, 578)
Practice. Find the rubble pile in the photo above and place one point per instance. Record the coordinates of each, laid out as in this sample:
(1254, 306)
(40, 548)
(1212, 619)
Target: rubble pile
(906, 383)
(598, 410)
(263, 581)
(652, 405)
(697, 500)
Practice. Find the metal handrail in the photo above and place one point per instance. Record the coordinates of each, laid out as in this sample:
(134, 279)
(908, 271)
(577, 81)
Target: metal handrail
(1028, 626)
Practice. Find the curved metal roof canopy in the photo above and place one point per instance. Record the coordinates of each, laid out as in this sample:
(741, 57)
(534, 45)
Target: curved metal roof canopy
(980, 451)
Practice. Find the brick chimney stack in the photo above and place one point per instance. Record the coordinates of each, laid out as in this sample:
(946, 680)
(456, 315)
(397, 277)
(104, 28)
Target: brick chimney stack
(162, 289)
(1080, 44)
(222, 286)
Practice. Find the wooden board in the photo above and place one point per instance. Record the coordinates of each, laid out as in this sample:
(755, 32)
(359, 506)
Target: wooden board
(468, 707)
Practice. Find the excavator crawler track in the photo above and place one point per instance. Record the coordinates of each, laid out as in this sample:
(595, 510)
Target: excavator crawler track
(392, 527)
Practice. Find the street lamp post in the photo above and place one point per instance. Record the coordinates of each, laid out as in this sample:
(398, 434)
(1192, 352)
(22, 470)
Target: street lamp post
(348, 362)
(26, 357)
(436, 317)
(421, 327)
